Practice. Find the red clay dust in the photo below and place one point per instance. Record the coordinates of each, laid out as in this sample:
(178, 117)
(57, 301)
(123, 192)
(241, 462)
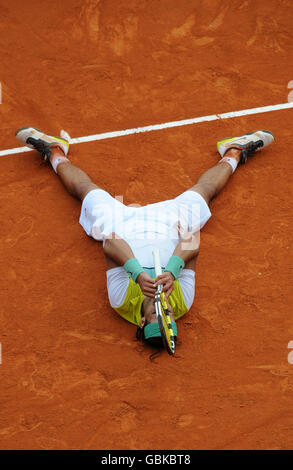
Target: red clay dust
(72, 374)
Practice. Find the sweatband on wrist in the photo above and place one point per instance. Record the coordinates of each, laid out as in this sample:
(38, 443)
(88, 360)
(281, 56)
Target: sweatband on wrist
(175, 266)
(133, 268)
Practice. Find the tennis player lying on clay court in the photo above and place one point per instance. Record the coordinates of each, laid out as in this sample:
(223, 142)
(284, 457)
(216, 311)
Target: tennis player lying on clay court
(129, 234)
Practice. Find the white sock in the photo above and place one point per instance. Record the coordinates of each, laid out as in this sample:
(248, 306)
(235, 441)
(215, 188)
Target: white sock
(232, 162)
(56, 160)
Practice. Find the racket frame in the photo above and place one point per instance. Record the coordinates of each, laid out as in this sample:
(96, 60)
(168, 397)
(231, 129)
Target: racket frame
(162, 308)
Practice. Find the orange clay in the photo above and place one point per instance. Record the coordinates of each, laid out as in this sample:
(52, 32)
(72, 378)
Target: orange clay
(72, 374)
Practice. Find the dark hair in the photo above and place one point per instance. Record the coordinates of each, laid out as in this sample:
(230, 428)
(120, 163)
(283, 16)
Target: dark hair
(156, 342)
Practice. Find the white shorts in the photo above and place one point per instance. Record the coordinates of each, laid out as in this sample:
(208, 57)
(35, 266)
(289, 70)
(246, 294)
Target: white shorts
(99, 206)
(146, 227)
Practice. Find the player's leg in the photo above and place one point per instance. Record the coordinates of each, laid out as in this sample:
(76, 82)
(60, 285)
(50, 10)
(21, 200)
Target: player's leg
(55, 149)
(212, 181)
(75, 180)
(233, 151)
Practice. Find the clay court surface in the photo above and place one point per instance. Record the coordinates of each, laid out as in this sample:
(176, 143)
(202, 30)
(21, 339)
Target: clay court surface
(72, 374)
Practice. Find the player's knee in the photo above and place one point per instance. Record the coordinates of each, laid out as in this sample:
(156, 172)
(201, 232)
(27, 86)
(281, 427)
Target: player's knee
(84, 187)
(205, 190)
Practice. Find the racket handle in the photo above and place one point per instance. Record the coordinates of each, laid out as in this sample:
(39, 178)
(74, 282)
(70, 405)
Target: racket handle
(164, 303)
(157, 262)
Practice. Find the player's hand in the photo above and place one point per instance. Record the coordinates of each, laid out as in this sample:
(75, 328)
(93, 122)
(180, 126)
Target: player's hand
(167, 279)
(147, 284)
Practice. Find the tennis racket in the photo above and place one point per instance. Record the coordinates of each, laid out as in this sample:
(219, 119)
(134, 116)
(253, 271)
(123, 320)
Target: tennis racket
(162, 311)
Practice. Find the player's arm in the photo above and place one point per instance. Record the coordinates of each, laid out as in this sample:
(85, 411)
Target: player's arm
(119, 253)
(188, 248)
(184, 255)
(117, 249)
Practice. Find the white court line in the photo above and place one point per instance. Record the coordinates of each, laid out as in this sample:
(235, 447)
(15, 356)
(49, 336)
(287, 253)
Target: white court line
(166, 125)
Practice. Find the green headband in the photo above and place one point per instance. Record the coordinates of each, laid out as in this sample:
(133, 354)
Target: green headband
(152, 330)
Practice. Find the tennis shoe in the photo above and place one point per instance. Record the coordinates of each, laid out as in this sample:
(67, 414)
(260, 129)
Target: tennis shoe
(43, 143)
(248, 144)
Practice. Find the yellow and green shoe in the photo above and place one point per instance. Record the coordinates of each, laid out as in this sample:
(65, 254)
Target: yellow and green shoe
(248, 143)
(43, 143)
